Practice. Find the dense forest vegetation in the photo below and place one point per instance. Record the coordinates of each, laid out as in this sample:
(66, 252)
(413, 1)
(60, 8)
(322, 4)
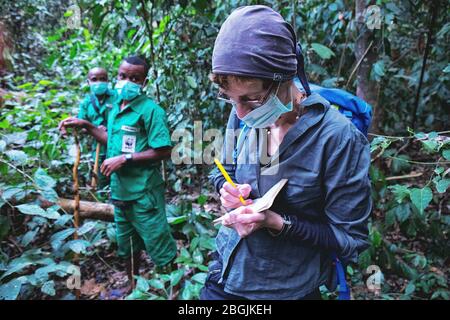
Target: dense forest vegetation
(396, 59)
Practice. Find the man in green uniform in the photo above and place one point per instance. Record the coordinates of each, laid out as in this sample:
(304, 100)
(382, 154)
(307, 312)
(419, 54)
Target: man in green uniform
(95, 108)
(137, 140)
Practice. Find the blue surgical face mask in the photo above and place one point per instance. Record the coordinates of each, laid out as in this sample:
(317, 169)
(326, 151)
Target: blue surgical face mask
(128, 90)
(268, 113)
(99, 88)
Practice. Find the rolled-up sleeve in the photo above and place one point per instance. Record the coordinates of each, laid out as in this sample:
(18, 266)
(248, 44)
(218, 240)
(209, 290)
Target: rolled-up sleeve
(348, 201)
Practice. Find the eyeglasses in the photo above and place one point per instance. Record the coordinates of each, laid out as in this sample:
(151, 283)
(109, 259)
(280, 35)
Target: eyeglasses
(253, 104)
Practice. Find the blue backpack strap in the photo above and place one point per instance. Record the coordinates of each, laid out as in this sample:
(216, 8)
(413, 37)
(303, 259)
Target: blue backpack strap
(344, 290)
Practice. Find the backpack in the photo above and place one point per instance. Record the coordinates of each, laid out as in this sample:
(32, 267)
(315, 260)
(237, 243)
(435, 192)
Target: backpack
(354, 108)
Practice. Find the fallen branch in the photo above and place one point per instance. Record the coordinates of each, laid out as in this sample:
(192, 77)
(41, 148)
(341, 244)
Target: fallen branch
(89, 210)
(406, 176)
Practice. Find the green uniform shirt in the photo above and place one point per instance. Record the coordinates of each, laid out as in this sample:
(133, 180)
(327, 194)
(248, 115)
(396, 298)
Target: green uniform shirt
(97, 116)
(139, 126)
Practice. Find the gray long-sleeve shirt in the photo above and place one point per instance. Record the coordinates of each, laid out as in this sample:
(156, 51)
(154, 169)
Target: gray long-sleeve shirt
(326, 160)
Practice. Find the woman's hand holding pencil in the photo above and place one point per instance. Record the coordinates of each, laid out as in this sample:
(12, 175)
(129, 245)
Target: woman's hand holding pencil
(233, 195)
(230, 196)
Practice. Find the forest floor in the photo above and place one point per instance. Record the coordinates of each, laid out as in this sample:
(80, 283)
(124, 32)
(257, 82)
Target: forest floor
(103, 274)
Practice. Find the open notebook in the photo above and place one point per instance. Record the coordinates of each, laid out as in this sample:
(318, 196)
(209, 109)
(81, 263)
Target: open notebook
(266, 201)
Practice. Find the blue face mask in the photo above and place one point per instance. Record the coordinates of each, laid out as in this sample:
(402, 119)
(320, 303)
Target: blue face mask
(267, 114)
(99, 88)
(128, 90)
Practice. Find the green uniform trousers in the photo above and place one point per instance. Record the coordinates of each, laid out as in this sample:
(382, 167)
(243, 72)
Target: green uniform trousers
(141, 224)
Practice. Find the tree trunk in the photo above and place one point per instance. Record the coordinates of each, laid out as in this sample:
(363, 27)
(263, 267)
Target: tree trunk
(89, 210)
(366, 89)
(5, 47)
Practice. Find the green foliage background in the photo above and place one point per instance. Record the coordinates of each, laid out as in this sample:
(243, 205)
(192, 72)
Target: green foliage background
(46, 80)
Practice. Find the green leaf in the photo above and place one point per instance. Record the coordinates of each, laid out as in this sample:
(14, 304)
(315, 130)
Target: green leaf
(25, 86)
(333, 7)
(17, 138)
(402, 212)
(29, 237)
(31, 209)
(350, 270)
(188, 291)
(444, 294)
(203, 268)
(197, 256)
(16, 267)
(202, 199)
(446, 154)
(208, 243)
(68, 13)
(439, 170)
(157, 284)
(365, 259)
(194, 243)
(323, 51)
(378, 70)
(410, 288)
(390, 218)
(10, 290)
(400, 192)
(54, 37)
(111, 233)
(419, 261)
(176, 276)
(433, 135)
(421, 198)
(52, 212)
(2, 146)
(77, 246)
(73, 51)
(375, 238)
(142, 284)
(199, 277)
(43, 180)
(12, 192)
(17, 156)
(442, 185)
(411, 273)
(49, 288)
(177, 220)
(57, 238)
(192, 82)
(35, 210)
(88, 226)
(44, 82)
(61, 269)
(430, 145)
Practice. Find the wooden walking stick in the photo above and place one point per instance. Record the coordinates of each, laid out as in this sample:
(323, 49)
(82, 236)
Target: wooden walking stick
(76, 210)
(94, 181)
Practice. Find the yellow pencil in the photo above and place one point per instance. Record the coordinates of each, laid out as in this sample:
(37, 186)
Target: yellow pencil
(227, 177)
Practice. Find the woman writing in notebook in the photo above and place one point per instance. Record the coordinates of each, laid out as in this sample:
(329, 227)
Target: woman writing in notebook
(278, 129)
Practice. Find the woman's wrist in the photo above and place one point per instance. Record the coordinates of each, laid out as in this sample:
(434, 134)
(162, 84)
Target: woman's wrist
(274, 221)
